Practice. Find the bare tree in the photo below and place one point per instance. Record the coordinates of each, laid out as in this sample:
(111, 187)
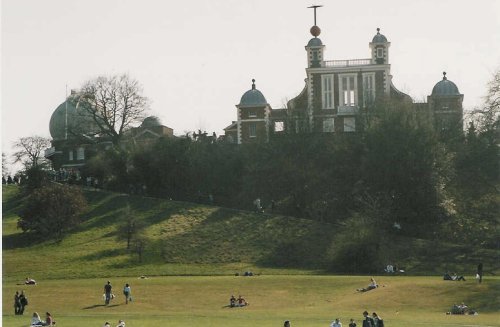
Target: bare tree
(30, 150)
(115, 104)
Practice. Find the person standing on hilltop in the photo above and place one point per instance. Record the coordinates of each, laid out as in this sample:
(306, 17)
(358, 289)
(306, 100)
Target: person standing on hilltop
(107, 292)
(480, 272)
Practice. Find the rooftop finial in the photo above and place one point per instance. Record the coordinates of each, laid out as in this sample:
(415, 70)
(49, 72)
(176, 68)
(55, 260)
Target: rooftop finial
(378, 30)
(315, 30)
(253, 83)
(444, 75)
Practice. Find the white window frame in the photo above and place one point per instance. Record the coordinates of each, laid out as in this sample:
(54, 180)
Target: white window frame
(380, 52)
(349, 124)
(368, 88)
(80, 153)
(352, 90)
(279, 126)
(327, 96)
(329, 125)
(70, 154)
(252, 113)
(252, 130)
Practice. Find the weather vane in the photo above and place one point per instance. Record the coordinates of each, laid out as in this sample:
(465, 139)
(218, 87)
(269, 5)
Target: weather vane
(314, 7)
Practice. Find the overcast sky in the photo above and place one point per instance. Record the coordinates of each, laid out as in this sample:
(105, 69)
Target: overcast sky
(196, 58)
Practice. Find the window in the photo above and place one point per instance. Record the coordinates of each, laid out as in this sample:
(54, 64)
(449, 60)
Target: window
(71, 155)
(328, 125)
(252, 130)
(279, 126)
(380, 52)
(252, 113)
(327, 91)
(349, 124)
(348, 90)
(368, 89)
(80, 153)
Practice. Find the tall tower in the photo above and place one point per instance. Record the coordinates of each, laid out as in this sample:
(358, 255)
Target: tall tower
(380, 49)
(445, 103)
(315, 47)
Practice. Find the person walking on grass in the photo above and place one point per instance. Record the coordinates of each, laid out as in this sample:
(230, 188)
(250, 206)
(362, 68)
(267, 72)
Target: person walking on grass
(367, 321)
(107, 292)
(17, 303)
(127, 292)
(23, 300)
(379, 322)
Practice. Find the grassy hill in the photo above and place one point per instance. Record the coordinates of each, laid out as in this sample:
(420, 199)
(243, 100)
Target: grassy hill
(191, 247)
(192, 239)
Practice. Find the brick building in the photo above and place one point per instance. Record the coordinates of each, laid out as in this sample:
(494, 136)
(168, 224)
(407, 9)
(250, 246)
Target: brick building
(335, 93)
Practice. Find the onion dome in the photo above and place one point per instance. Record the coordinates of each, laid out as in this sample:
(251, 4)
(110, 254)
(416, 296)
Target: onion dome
(445, 87)
(379, 38)
(151, 121)
(253, 98)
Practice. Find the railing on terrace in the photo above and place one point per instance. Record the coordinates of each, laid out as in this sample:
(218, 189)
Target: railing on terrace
(347, 63)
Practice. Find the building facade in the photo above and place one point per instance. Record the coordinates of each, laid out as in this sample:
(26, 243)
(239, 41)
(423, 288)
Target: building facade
(335, 93)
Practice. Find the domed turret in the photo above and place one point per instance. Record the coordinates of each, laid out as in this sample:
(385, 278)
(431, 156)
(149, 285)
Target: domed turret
(380, 48)
(253, 98)
(445, 87)
(379, 38)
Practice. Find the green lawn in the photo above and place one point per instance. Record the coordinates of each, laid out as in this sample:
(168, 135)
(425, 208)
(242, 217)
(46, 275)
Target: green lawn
(192, 254)
(305, 300)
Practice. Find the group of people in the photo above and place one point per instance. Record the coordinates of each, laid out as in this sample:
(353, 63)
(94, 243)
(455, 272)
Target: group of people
(37, 321)
(121, 323)
(20, 301)
(237, 302)
(108, 294)
(368, 321)
(461, 309)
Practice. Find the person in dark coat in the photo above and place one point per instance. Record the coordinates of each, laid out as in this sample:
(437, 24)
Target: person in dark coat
(17, 303)
(367, 320)
(23, 300)
(480, 272)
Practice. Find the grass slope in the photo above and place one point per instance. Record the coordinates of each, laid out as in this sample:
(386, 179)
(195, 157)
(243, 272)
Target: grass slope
(192, 239)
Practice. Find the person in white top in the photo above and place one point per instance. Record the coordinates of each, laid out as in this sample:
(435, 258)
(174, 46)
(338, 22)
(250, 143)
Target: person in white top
(336, 323)
(121, 323)
(35, 319)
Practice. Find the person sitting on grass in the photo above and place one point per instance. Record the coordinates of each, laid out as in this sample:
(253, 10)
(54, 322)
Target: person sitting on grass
(457, 278)
(232, 301)
(121, 323)
(242, 302)
(49, 321)
(36, 321)
(30, 281)
(373, 285)
(336, 323)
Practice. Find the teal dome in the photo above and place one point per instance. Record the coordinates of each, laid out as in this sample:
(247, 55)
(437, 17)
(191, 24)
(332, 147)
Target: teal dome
(379, 38)
(253, 98)
(445, 87)
(67, 121)
(151, 121)
(314, 42)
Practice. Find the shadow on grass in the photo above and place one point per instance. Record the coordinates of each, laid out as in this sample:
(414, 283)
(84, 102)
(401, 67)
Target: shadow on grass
(20, 240)
(487, 299)
(94, 306)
